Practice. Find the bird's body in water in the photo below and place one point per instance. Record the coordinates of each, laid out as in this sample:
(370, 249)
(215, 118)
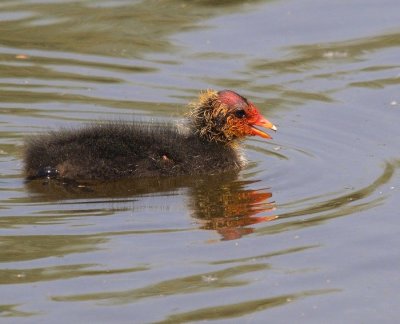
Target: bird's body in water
(208, 143)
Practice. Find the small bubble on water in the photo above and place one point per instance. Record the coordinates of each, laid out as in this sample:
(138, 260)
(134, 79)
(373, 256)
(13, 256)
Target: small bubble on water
(334, 54)
(21, 57)
(209, 278)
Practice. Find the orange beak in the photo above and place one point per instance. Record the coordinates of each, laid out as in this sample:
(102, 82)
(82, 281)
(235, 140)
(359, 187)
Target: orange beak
(263, 122)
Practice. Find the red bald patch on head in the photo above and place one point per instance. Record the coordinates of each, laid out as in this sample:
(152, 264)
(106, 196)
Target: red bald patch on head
(226, 116)
(231, 98)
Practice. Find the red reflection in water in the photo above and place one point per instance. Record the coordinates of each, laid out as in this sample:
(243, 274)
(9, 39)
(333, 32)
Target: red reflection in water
(231, 210)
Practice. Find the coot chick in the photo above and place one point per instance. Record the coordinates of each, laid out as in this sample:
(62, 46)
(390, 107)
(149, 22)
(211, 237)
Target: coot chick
(208, 143)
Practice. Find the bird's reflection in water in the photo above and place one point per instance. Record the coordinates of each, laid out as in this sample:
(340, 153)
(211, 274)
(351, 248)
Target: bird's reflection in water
(229, 208)
(221, 203)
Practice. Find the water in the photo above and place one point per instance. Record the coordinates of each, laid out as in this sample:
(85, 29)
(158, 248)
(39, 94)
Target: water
(307, 233)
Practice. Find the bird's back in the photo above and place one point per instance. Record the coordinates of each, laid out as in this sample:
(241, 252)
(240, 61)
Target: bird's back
(116, 150)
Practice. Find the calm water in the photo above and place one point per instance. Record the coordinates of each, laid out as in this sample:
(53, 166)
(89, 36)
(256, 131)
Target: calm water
(309, 232)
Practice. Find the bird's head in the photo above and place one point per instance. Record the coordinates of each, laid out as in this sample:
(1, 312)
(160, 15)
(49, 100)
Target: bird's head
(225, 116)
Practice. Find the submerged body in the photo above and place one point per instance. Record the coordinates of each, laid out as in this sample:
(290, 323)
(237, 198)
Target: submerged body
(208, 144)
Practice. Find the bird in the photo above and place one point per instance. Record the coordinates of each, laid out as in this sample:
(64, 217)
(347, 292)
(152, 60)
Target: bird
(207, 142)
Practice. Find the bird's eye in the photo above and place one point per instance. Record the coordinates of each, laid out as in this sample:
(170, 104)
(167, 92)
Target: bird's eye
(240, 113)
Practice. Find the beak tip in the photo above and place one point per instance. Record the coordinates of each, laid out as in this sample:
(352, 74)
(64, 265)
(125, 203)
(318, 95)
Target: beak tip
(274, 128)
